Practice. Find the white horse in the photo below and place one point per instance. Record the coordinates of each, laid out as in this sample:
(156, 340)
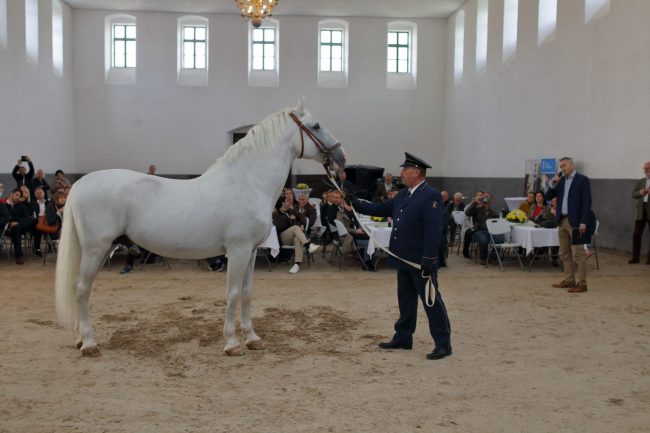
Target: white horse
(225, 210)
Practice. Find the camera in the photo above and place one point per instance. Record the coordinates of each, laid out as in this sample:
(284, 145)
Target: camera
(485, 199)
(24, 158)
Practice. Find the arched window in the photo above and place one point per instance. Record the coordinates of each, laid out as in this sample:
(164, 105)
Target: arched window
(120, 54)
(57, 37)
(192, 50)
(263, 49)
(332, 53)
(31, 30)
(401, 57)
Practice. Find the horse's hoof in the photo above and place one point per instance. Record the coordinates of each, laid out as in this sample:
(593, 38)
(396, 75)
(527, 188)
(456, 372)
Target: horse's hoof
(79, 344)
(235, 351)
(256, 345)
(91, 351)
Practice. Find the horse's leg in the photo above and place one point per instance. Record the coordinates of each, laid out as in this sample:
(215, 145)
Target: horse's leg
(237, 265)
(90, 263)
(253, 341)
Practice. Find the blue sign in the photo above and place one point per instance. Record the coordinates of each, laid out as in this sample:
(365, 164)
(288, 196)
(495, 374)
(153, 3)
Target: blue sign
(547, 166)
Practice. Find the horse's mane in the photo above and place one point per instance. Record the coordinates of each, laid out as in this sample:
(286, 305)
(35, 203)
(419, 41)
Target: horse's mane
(259, 140)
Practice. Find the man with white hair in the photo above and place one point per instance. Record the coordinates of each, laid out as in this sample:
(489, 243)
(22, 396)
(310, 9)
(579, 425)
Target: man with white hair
(456, 204)
(641, 194)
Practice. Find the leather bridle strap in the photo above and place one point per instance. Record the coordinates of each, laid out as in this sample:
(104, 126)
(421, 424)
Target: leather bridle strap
(319, 144)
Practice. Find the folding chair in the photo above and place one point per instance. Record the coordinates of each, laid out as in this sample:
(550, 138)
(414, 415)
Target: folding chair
(594, 243)
(500, 226)
(343, 232)
(459, 220)
(336, 242)
(4, 246)
(51, 246)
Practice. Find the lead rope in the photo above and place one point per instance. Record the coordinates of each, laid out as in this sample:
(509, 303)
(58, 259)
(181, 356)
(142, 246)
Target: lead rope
(432, 283)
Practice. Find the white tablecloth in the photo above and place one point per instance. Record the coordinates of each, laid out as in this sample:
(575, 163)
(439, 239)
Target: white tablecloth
(381, 235)
(271, 242)
(514, 202)
(533, 237)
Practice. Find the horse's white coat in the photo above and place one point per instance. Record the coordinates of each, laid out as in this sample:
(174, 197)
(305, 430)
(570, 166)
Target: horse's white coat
(225, 210)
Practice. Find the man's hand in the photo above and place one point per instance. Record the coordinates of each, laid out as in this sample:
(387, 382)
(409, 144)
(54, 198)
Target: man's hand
(582, 229)
(643, 191)
(427, 270)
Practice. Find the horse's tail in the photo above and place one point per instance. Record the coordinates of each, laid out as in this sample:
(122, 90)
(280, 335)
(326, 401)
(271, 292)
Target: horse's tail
(67, 269)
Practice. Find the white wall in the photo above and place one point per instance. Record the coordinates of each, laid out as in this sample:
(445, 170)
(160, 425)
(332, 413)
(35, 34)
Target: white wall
(583, 93)
(184, 129)
(36, 106)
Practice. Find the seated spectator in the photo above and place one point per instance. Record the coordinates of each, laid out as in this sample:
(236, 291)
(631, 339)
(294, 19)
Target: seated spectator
(290, 230)
(38, 207)
(480, 211)
(357, 239)
(152, 170)
(39, 181)
(288, 195)
(20, 173)
(530, 201)
(217, 263)
(445, 198)
(345, 184)
(382, 190)
(336, 198)
(3, 199)
(20, 222)
(304, 208)
(456, 204)
(133, 251)
(549, 220)
(54, 212)
(26, 198)
(59, 182)
(536, 212)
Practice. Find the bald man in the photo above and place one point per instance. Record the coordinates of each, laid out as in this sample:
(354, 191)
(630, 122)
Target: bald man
(641, 194)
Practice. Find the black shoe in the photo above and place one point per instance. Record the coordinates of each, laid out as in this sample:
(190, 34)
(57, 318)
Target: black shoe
(127, 269)
(466, 255)
(37, 253)
(216, 267)
(439, 353)
(394, 344)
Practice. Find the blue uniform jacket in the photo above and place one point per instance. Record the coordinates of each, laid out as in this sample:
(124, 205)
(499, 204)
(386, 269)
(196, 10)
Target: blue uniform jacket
(579, 199)
(417, 225)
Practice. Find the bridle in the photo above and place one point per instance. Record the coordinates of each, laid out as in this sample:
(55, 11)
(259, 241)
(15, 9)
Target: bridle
(322, 148)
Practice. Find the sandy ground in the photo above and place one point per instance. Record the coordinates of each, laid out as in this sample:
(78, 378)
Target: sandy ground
(527, 357)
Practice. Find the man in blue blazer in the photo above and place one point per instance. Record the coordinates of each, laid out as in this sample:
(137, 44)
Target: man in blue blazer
(573, 194)
(418, 216)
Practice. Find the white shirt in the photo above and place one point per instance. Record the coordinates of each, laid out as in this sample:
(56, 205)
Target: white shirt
(41, 207)
(415, 187)
(565, 199)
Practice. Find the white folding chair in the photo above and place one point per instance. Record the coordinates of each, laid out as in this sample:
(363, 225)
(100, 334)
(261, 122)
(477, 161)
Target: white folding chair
(343, 232)
(459, 219)
(500, 226)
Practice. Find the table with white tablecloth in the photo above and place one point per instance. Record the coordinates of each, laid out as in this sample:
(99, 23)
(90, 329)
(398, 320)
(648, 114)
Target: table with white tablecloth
(530, 237)
(381, 237)
(271, 242)
(514, 202)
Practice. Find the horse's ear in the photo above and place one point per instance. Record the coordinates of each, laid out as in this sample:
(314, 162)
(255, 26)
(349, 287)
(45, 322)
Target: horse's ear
(300, 108)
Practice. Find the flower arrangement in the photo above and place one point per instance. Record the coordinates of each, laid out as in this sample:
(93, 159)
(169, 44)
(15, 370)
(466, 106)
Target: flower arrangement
(300, 189)
(378, 219)
(517, 216)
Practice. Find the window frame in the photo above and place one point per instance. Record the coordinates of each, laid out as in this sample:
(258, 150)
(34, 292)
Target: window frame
(397, 47)
(125, 39)
(264, 43)
(194, 43)
(264, 77)
(403, 80)
(329, 78)
(116, 74)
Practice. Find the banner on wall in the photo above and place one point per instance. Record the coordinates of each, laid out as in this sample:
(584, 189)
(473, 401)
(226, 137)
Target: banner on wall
(538, 174)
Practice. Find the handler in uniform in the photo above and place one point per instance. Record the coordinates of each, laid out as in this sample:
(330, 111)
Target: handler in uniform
(417, 213)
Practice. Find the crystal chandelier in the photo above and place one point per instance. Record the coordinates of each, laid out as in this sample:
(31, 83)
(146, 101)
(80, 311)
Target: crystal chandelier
(256, 11)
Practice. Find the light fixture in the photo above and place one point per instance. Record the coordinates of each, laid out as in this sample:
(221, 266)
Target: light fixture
(256, 11)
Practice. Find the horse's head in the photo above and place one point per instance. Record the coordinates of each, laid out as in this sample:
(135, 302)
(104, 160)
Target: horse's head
(319, 144)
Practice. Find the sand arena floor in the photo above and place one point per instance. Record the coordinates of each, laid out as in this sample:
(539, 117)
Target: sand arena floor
(527, 357)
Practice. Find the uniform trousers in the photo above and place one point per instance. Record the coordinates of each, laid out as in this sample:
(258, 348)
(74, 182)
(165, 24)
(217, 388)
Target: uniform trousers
(410, 286)
(569, 252)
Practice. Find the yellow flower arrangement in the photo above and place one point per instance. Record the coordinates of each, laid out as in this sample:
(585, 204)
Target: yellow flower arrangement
(302, 186)
(378, 219)
(517, 216)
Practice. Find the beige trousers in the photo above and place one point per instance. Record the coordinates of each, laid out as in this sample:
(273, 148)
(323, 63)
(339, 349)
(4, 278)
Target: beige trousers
(294, 236)
(570, 252)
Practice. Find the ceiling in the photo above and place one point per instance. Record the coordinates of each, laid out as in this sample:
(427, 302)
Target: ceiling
(322, 8)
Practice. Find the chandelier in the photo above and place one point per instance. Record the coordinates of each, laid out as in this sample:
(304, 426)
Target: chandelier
(256, 11)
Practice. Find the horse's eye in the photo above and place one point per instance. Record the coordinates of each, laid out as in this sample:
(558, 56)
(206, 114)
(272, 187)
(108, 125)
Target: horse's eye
(316, 126)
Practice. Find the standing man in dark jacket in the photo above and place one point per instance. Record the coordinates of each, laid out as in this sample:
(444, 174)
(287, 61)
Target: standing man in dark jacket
(641, 194)
(573, 193)
(417, 214)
